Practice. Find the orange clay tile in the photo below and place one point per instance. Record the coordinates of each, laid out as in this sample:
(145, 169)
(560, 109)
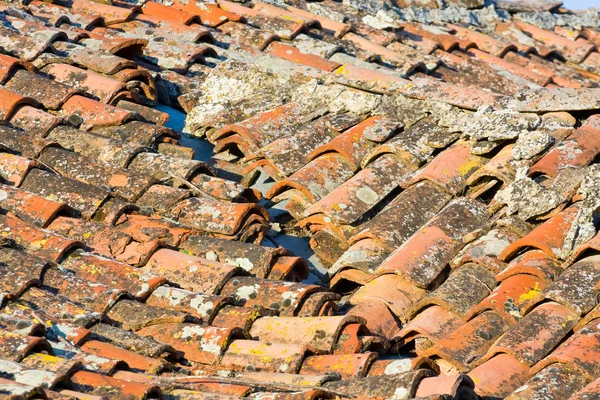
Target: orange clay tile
(499, 376)
(557, 381)
(593, 315)
(569, 33)
(451, 295)
(263, 356)
(534, 65)
(58, 365)
(469, 97)
(357, 261)
(315, 180)
(575, 51)
(99, 86)
(367, 78)
(260, 259)
(330, 26)
(351, 144)
(404, 65)
(394, 291)
(36, 240)
(422, 257)
(291, 53)
(110, 14)
(83, 56)
(208, 384)
(589, 392)
(8, 65)
(580, 352)
(135, 361)
(397, 223)
(284, 297)
(137, 282)
(95, 296)
(14, 168)
(510, 67)
(113, 45)
(316, 333)
(451, 168)
(20, 272)
(348, 365)
(424, 45)
(258, 131)
(382, 386)
(575, 288)
(239, 9)
(191, 272)
(239, 317)
(144, 229)
(283, 13)
(592, 246)
(199, 305)
(547, 237)
(535, 263)
(536, 334)
(199, 343)
(103, 385)
(34, 120)
(446, 41)
(433, 323)
(10, 102)
(395, 366)
(546, 99)
(210, 14)
(485, 250)
(49, 93)
(56, 310)
(462, 348)
(354, 198)
(592, 35)
(451, 385)
(202, 213)
(15, 347)
(30, 207)
(17, 390)
(379, 319)
(498, 168)
(484, 42)
(93, 113)
(169, 13)
(583, 142)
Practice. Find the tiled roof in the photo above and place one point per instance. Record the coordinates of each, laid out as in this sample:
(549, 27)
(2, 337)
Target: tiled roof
(440, 162)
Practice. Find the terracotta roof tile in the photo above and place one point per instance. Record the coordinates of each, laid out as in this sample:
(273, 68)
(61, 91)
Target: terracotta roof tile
(105, 385)
(489, 44)
(348, 365)
(500, 375)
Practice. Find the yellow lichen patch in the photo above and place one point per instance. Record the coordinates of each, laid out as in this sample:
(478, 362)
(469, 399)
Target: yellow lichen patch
(530, 294)
(341, 70)
(38, 244)
(469, 166)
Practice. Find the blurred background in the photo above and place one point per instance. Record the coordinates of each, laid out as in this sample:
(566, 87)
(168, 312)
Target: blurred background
(581, 4)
